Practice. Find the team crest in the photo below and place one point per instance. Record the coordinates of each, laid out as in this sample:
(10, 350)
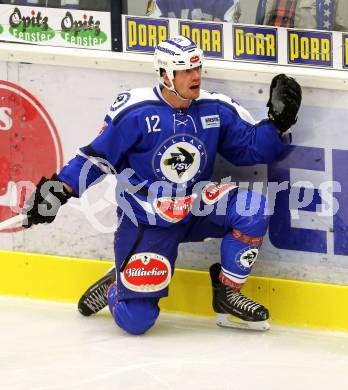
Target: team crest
(121, 100)
(246, 258)
(180, 159)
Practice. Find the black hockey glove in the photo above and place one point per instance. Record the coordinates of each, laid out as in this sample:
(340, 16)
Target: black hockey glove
(43, 205)
(284, 101)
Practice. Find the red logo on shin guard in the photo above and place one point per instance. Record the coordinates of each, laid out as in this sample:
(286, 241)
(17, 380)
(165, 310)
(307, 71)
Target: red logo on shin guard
(146, 272)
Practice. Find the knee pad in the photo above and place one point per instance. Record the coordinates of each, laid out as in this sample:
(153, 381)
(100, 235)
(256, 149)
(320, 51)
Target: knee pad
(136, 316)
(248, 213)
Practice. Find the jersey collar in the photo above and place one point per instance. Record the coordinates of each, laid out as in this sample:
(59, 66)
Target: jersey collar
(158, 93)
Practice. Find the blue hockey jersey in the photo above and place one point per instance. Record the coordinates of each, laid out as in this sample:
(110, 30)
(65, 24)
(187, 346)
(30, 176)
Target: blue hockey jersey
(224, 10)
(161, 154)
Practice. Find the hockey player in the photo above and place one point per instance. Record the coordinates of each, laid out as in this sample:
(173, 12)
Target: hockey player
(161, 143)
(224, 11)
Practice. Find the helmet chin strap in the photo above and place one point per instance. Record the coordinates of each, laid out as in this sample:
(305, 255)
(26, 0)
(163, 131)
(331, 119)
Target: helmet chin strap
(172, 89)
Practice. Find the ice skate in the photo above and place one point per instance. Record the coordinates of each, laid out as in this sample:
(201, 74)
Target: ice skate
(233, 309)
(95, 298)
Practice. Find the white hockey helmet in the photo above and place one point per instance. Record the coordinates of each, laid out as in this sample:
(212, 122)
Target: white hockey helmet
(178, 53)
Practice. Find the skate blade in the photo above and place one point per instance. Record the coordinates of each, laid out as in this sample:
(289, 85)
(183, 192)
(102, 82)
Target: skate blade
(228, 321)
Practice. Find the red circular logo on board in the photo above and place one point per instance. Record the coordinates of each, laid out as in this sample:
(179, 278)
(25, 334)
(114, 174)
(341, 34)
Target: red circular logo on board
(146, 272)
(29, 147)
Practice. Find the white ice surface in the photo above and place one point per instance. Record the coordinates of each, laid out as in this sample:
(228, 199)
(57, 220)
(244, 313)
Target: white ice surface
(46, 346)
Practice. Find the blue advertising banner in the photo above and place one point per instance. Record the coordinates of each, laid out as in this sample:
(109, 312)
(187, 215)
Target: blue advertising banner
(345, 51)
(310, 48)
(208, 36)
(255, 44)
(144, 34)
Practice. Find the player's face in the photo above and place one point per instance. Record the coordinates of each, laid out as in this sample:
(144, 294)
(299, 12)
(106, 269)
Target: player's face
(188, 82)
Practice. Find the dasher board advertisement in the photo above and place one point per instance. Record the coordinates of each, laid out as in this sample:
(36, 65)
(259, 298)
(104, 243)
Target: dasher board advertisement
(43, 122)
(240, 42)
(55, 27)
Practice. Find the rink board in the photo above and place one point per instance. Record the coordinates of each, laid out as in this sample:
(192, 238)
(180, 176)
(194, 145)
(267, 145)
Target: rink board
(290, 302)
(311, 245)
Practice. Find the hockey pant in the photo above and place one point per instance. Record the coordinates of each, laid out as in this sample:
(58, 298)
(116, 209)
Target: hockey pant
(145, 256)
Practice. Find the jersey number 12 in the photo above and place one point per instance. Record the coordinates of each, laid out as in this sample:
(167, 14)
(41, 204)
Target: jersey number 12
(152, 123)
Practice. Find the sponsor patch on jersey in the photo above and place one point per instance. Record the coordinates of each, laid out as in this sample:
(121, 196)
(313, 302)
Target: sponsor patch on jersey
(120, 101)
(180, 159)
(174, 209)
(246, 258)
(210, 121)
(213, 192)
(146, 272)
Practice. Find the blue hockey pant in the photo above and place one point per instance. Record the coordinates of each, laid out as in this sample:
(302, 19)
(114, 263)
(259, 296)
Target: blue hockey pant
(146, 254)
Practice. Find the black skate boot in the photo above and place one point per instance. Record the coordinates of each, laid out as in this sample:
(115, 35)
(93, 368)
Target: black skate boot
(95, 298)
(227, 302)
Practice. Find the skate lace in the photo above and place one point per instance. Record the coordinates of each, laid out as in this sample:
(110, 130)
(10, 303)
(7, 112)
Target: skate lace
(238, 300)
(98, 299)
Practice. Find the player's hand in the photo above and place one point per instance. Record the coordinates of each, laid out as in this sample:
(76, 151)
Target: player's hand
(284, 101)
(43, 205)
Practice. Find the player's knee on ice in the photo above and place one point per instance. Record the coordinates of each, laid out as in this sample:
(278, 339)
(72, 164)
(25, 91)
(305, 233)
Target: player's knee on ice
(248, 213)
(136, 316)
